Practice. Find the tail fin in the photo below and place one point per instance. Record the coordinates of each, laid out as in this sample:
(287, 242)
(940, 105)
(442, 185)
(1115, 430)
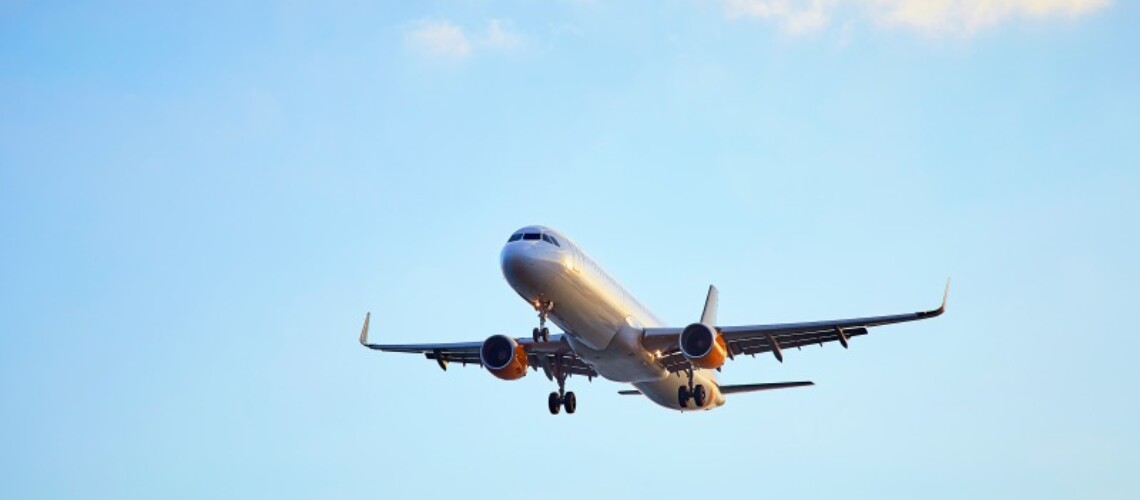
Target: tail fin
(708, 315)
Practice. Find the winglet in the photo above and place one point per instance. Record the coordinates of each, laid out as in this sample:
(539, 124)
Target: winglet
(364, 331)
(941, 308)
(945, 294)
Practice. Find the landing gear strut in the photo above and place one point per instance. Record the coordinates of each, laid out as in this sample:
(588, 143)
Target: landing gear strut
(697, 393)
(561, 399)
(542, 333)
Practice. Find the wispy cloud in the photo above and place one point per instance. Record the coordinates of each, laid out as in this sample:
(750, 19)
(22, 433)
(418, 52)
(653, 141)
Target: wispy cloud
(931, 17)
(445, 40)
(970, 16)
(439, 39)
(500, 35)
(795, 16)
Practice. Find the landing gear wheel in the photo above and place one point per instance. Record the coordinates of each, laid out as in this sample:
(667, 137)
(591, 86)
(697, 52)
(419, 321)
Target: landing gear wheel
(683, 396)
(542, 332)
(570, 402)
(554, 402)
(700, 397)
(534, 334)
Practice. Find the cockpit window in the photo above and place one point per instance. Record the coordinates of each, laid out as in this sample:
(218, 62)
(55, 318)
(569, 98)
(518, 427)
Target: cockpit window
(550, 239)
(515, 237)
(530, 236)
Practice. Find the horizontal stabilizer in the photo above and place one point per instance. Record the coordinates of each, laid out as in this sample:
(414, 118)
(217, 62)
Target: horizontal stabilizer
(732, 389)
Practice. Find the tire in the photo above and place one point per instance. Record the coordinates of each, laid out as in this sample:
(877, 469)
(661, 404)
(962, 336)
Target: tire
(700, 397)
(570, 402)
(554, 403)
(534, 334)
(545, 333)
(683, 396)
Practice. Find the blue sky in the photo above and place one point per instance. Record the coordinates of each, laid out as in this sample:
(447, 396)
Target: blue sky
(199, 202)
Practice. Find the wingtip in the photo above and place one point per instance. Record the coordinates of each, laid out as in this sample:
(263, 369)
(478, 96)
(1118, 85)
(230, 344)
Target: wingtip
(941, 307)
(945, 295)
(364, 331)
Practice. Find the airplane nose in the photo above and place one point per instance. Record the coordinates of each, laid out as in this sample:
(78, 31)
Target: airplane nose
(514, 261)
(526, 267)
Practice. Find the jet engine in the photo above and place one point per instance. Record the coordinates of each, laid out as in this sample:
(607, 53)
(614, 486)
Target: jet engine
(703, 346)
(503, 357)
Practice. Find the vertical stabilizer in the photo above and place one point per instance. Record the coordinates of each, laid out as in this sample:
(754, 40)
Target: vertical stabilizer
(708, 316)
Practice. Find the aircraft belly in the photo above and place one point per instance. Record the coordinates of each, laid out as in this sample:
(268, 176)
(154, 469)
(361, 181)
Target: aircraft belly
(663, 391)
(583, 313)
(623, 360)
(619, 363)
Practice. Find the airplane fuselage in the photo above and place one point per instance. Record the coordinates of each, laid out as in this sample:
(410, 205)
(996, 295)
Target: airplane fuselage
(602, 321)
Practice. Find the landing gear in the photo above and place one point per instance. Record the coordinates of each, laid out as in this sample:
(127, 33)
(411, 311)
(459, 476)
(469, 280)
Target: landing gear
(700, 397)
(542, 333)
(554, 403)
(696, 393)
(561, 399)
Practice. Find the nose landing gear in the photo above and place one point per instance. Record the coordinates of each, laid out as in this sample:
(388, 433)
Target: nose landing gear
(542, 333)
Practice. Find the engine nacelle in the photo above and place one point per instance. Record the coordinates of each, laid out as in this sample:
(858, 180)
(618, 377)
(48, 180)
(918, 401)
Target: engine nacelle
(503, 357)
(703, 346)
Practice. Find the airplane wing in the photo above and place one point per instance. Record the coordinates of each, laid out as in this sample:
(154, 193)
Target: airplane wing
(539, 354)
(774, 338)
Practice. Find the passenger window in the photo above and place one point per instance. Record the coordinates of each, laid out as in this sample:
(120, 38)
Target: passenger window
(530, 236)
(515, 237)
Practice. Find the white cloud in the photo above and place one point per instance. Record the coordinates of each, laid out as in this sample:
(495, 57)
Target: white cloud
(969, 16)
(500, 35)
(439, 39)
(796, 16)
(934, 17)
(443, 39)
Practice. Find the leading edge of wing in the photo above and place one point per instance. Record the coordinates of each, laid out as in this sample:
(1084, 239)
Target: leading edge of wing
(665, 338)
(556, 345)
(866, 322)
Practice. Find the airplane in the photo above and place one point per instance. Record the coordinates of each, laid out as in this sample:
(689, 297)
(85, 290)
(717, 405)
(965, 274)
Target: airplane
(609, 334)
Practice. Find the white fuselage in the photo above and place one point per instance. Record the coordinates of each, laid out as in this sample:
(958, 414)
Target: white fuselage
(602, 321)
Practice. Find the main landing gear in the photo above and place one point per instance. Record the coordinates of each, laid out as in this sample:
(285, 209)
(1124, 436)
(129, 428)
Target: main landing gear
(542, 333)
(561, 399)
(696, 393)
(557, 401)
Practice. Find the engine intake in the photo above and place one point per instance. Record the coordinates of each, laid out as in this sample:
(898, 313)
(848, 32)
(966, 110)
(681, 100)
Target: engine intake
(503, 357)
(703, 346)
